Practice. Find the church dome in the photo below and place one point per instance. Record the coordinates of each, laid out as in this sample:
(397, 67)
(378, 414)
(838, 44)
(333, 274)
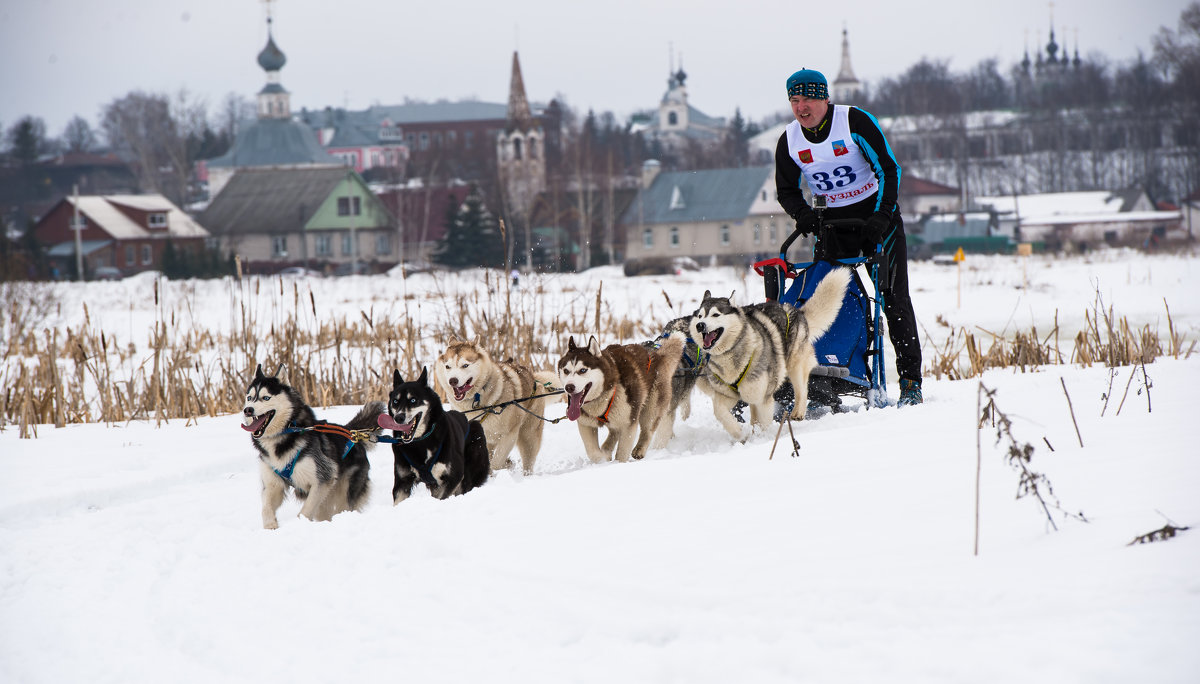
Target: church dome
(271, 58)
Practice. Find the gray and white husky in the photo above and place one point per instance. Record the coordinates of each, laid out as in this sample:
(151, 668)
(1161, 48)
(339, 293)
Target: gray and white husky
(625, 388)
(690, 367)
(753, 349)
(313, 458)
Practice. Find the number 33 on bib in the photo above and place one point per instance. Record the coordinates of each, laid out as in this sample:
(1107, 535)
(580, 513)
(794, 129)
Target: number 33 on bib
(833, 168)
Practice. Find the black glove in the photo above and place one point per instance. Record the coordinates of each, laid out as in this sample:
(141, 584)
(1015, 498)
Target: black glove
(877, 225)
(806, 221)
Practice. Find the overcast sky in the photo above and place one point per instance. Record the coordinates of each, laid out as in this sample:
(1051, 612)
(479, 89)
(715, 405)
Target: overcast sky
(59, 58)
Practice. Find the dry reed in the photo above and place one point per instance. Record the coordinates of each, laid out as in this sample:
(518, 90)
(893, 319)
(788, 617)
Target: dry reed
(339, 357)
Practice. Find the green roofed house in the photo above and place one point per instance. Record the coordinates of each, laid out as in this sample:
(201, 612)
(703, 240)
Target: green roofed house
(716, 216)
(320, 218)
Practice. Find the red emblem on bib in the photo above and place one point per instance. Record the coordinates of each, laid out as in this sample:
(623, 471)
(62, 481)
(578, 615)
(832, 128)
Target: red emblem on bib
(805, 156)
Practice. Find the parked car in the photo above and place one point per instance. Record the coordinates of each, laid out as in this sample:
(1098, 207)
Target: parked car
(660, 266)
(301, 272)
(358, 268)
(107, 273)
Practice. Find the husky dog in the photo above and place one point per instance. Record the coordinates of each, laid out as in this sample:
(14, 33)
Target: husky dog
(752, 349)
(441, 448)
(315, 459)
(682, 382)
(469, 378)
(626, 388)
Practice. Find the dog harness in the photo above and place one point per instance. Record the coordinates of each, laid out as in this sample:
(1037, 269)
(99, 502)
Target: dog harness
(423, 474)
(734, 385)
(286, 473)
(352, 436)
(603, 420)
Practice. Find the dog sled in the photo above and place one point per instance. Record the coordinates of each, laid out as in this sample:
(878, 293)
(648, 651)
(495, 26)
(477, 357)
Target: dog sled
(850, 355)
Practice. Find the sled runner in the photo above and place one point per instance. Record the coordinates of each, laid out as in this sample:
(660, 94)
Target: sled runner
(850, 354)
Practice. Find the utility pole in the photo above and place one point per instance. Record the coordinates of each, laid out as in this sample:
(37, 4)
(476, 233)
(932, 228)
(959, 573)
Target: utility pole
(78, 228)
(354, 200)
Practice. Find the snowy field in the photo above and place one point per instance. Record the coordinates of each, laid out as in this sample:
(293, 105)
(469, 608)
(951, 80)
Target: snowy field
(130, 553)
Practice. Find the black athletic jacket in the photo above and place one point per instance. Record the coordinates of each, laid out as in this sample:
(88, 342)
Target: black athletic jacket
(864, 131)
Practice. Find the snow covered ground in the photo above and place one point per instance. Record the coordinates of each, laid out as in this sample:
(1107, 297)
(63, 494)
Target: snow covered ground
(130, 553)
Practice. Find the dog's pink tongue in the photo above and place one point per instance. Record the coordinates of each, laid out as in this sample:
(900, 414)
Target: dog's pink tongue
(574, 405)
(252, 427)
(388, 423)
(709, 338)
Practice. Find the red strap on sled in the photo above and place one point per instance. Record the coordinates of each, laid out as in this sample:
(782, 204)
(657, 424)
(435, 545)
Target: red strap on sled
(787, 268)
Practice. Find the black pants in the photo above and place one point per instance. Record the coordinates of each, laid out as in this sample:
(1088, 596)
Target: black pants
(897, 306)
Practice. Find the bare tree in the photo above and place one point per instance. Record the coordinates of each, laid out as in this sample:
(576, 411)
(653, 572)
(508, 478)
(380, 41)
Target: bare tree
(78, 135)
(151, 131)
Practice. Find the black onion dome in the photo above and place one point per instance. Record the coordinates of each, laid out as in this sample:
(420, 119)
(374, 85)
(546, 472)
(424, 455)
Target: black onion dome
(271, 58)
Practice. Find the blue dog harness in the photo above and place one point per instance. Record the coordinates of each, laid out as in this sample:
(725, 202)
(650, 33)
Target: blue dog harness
(286, 473)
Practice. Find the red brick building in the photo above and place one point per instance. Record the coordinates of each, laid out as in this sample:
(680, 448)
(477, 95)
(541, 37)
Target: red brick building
(127, 232)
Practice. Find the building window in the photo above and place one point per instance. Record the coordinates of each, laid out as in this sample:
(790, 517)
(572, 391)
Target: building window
(347, 245)
(383, 244)
(324, 245)
(674, 237)
(437, 139)
(424, 145)
(468, 139)
(349, 205)
(279, 247)
(411, 139)
(648, 238)
(757, 234)
(724, 236)
(147, 255)
(672, 119)
(764, 195)
(130, 255)
(516, 147)
(773, 238)
(533, 148)
(157, 220)
(78, 222)
(451, 138)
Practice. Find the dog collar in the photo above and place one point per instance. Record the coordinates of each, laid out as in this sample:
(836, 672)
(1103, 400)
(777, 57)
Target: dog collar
(432, 427)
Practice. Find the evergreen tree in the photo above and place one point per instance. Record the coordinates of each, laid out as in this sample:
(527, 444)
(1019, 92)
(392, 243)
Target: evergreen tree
(737, 151)
(472, 235)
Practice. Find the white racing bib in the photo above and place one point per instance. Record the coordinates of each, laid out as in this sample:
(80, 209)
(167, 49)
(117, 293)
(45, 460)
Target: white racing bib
(835, 168)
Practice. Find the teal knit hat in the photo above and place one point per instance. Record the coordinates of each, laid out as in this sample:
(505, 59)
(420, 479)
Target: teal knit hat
(808, 83)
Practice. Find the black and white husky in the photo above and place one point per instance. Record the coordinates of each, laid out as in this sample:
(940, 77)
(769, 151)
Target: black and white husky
(313, 458)
(440, 448)
(753, 349)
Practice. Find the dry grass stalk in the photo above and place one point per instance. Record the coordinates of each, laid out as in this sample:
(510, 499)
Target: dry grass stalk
(340, 357)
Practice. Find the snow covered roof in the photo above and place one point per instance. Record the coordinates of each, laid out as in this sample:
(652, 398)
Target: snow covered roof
(917, 123)
(1050, 204)
(1122, 217)
(104, 211)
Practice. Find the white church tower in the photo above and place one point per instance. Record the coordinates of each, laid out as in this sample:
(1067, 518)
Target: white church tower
(846, 88)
